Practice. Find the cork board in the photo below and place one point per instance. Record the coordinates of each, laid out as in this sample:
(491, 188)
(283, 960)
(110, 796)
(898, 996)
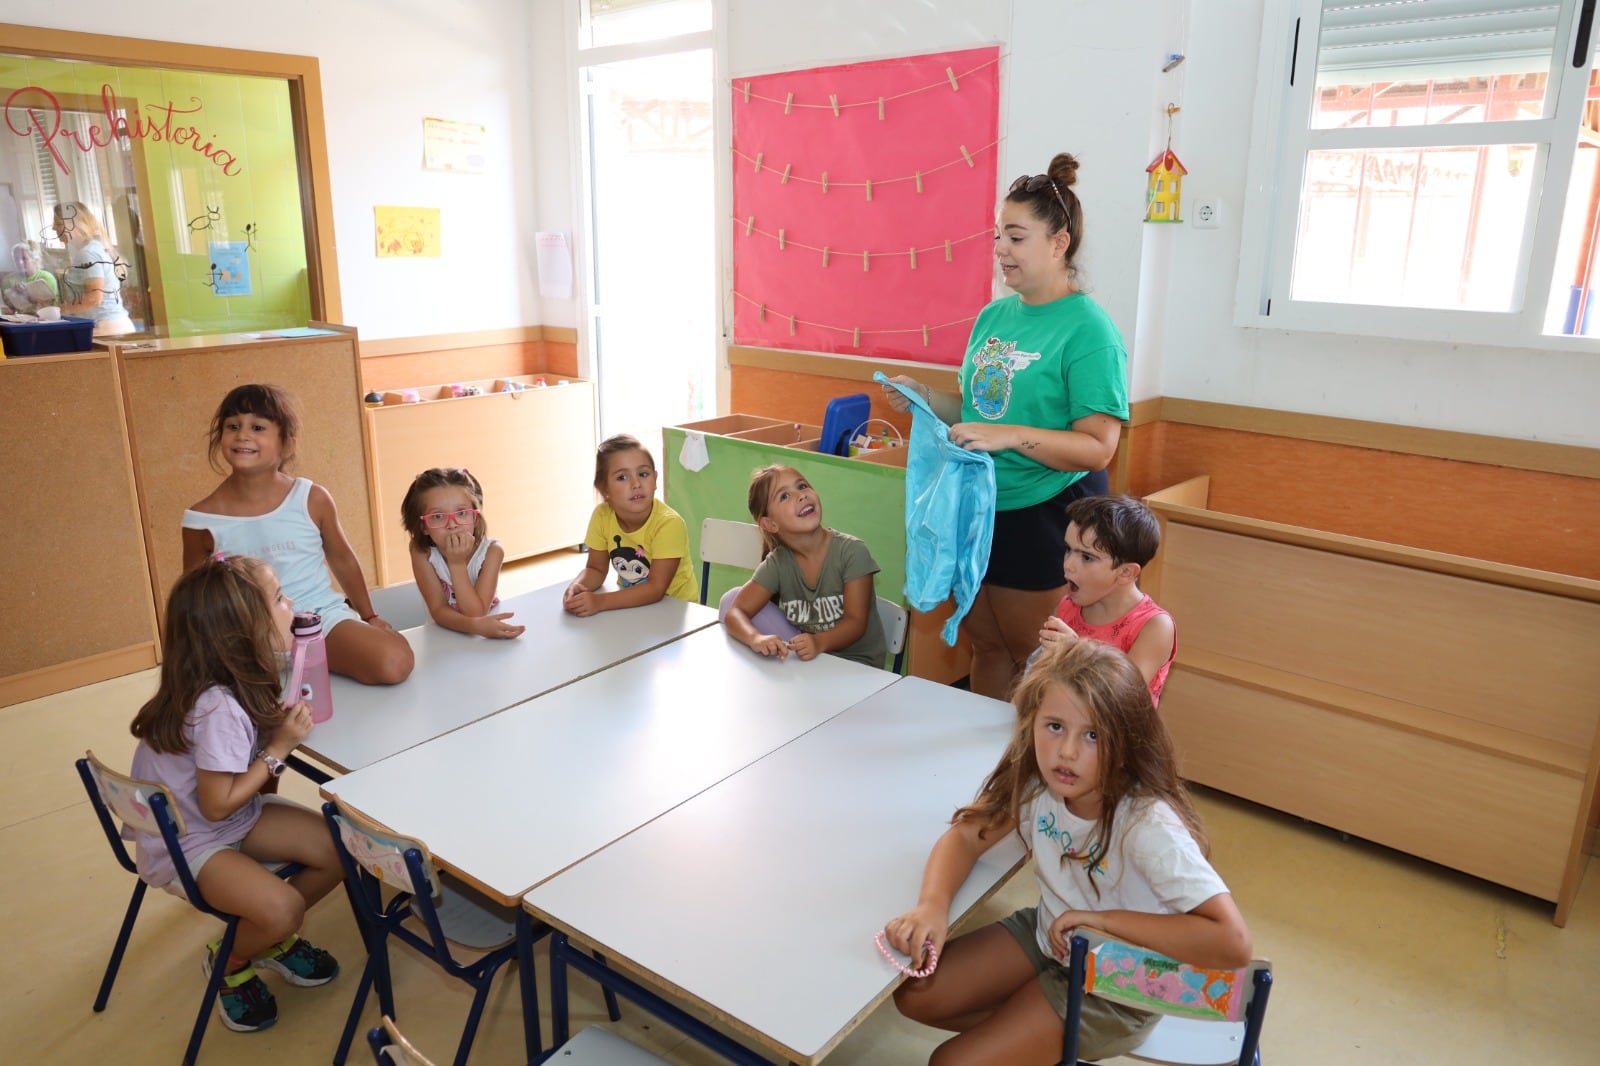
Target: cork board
(78, 585)
(172, 392)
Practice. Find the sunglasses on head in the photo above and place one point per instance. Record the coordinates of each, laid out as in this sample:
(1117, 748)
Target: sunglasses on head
(1035, 182)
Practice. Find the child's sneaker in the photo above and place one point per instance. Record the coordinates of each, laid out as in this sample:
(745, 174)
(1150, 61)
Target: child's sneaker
(243, 1000)
(300, 962)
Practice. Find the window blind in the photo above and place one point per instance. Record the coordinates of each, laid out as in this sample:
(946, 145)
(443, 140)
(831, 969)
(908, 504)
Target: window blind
(1365, 41)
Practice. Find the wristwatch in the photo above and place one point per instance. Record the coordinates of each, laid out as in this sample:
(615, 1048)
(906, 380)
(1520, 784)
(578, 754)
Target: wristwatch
(275, 765)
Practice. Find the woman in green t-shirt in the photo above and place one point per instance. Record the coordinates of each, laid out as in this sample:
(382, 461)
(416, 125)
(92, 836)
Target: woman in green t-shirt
(1043, 388)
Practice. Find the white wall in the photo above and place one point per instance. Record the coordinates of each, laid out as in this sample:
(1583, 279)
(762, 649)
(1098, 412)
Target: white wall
(387, 64)
(1529, 394)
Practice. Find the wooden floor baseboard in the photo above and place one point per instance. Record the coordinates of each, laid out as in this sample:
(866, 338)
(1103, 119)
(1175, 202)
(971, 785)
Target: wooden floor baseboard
(49, 680)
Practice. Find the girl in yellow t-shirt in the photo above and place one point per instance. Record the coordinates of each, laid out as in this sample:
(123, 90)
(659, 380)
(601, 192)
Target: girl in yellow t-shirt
(641, 538)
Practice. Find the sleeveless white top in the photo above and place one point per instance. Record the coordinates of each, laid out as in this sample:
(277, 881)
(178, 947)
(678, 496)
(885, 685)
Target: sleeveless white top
(287, 538)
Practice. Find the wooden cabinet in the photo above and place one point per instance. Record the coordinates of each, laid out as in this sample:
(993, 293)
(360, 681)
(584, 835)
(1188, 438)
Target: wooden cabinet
(532, 450)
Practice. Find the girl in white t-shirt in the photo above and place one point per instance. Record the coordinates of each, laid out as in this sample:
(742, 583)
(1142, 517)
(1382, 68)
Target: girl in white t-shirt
(217, 735)
(455, 562)
(1090, 783)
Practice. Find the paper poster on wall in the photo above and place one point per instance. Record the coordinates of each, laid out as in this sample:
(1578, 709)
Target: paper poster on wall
(230, 268)
(451, 145)
(555, 265)
(864, 199)
(407, 232)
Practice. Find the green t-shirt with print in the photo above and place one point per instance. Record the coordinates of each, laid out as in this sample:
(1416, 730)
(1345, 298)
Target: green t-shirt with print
(1044, 365)
(815, 608)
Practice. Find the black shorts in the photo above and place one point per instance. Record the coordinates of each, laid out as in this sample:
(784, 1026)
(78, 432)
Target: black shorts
(1030, 543)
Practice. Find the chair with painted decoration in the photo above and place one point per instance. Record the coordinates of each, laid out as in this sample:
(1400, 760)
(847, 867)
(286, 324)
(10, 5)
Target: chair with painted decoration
(149, 807)
(729, 543)
(1208, 1017)
(448, 912)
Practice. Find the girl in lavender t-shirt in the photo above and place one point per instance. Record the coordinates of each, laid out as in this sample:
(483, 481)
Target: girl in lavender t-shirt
(216, 735)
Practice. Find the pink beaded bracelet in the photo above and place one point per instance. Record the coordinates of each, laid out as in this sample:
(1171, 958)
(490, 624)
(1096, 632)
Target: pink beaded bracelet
(927, 945)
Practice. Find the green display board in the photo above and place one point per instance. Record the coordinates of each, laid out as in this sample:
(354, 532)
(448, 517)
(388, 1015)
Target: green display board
(864, 498)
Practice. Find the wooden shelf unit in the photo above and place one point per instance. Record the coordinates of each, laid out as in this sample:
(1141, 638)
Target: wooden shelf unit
(532, 451)
(1441, 705)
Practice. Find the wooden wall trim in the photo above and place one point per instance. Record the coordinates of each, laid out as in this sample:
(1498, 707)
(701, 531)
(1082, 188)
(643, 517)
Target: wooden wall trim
(446, 342)
(1144, 412)
(560, 334)
(1383, 436)
(102, 666)
(846, 367)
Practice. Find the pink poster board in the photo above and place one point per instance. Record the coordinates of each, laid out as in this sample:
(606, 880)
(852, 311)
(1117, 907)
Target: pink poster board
(864, 200)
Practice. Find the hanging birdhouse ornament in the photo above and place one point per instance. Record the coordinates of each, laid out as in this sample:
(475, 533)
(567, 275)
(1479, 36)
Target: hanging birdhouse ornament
(1164, 181)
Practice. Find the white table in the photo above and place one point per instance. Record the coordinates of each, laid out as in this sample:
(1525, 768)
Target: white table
(459, 679)
(513, 799)
(758, 899)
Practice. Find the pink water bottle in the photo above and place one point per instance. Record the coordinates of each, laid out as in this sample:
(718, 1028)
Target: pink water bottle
(308, 677)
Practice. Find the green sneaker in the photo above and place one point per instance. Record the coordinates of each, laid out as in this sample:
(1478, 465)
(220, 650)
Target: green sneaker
(300, 962)
(243, 1000)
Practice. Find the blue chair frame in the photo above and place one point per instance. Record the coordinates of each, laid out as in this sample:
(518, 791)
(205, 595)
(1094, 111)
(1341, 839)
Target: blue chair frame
(563, 955)
(1077, 973)
(163, 810)
(377, 922)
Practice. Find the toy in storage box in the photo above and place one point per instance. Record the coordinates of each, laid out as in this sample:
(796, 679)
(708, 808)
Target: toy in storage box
(47, 338)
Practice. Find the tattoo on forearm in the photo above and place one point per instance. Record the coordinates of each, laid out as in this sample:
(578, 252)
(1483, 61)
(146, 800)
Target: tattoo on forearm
(1028, 445)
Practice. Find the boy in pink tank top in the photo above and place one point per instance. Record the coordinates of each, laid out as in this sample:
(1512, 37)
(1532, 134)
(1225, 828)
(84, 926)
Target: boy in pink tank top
(1110, 539)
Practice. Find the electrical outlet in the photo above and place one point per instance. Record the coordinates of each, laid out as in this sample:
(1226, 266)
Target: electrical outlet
(1207, 214)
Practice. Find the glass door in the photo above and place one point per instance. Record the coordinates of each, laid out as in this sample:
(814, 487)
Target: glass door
(652, 240)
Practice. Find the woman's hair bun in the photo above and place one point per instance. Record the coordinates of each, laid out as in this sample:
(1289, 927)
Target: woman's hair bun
(1064, 169)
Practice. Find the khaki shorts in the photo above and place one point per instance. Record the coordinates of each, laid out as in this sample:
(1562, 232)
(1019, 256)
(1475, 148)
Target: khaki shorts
(1105, 1028)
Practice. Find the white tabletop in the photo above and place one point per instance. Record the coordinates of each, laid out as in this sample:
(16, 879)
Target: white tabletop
(759, 898)
(514, 799)
(459, 679)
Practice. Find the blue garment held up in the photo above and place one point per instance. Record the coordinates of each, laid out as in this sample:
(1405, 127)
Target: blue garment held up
(950, 496)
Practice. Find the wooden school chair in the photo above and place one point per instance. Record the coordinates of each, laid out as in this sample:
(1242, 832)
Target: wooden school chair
(1208, 1017)
(148, 806)
(447, 911)
(391, 1048)
(729, 543)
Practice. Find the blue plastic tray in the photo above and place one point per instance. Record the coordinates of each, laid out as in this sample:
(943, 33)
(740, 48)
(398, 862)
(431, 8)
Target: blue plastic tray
(47, 338)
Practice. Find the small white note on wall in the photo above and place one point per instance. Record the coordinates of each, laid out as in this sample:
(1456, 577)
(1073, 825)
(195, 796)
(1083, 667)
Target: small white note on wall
(555, 265)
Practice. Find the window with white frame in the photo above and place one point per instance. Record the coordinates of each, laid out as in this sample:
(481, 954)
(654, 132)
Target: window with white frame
(1426, 169)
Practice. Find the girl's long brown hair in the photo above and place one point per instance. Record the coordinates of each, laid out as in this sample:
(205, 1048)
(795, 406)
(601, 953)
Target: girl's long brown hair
(219, 632)
(1136, 754)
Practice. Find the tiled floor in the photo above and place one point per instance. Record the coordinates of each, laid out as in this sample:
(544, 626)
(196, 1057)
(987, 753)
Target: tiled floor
(1378, 957)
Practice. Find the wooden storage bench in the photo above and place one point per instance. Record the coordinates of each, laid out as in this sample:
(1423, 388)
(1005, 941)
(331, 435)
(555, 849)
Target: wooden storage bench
(1444, 706)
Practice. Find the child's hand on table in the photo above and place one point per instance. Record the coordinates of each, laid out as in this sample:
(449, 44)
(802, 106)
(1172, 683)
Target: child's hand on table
(767, 644)
(908, 933)
(805, 646)
(580, 600)
(496, 627)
